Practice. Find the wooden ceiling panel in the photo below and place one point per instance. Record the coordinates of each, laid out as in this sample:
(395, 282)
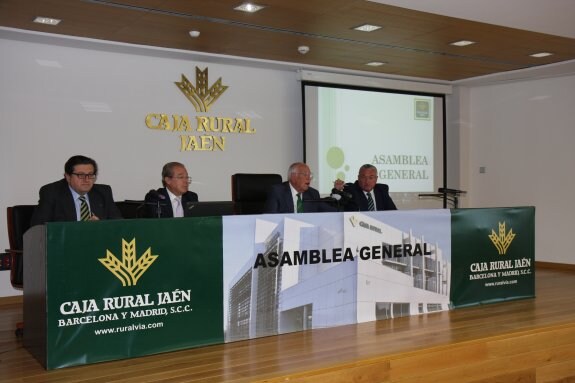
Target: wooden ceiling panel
(413, 43)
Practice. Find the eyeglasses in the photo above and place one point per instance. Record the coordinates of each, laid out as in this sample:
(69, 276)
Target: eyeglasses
(82, 176)
(189, 179)
(306, 175)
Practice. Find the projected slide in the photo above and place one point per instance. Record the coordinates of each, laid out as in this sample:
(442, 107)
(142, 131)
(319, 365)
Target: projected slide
(346, 128)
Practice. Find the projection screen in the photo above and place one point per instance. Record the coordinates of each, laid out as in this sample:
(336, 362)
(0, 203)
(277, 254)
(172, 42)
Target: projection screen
(401, 133)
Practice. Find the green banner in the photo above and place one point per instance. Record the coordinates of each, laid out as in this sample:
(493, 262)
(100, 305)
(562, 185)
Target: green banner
(493, 255)
(118, 290)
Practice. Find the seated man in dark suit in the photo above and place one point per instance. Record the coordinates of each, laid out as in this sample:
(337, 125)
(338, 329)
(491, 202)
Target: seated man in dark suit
(76, 197)
(295, 195)
(357, 195)
(174, 198)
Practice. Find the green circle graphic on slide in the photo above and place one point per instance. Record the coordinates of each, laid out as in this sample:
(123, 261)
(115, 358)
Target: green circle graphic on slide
(335, 157)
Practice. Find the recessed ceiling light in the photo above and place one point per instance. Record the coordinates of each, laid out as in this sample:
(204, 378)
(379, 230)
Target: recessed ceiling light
(249, 7)
(303, 49)
(462, 43)
(541, 54)
(367, 28)
(375, 63)
(46, 20)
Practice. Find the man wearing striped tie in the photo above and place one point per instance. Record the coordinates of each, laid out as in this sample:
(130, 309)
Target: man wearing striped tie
(365, 194)
(76, 197)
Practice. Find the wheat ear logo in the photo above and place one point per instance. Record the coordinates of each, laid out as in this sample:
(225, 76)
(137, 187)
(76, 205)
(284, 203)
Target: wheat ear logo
(353, 220)
(503, 239)
(200, 95)
(130, 269)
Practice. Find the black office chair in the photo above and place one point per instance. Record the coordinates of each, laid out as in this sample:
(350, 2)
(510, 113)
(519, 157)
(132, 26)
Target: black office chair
(249, 191)
(18, 219)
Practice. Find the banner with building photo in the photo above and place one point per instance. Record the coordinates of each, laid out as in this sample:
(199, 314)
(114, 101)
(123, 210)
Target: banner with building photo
(127, 288)
(293, 272)
(493, 255)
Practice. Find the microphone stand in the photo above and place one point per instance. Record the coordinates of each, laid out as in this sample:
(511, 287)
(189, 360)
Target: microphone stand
(341, 198)
(338, 201)
(453, 194)
(155, 198)
(335, 203)
(158, 209)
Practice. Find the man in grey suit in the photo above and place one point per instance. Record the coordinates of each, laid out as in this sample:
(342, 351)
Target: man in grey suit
(295, 195)
(76, 197)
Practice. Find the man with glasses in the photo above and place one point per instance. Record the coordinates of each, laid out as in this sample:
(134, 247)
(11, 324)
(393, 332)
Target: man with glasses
(295, 195)
(76, 197)
(365, 194)
(174, 199)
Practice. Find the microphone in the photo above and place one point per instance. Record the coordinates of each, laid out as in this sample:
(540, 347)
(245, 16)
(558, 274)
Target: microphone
(155, 195)
(339, 194)
(450, 191)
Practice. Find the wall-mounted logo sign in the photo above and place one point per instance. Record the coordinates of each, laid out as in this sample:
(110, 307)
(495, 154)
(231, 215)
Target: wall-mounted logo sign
(200, 95)
(130, 268)
(208, 133)
(503, 239)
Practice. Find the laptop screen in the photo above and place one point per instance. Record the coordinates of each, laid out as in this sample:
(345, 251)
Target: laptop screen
(210, 208)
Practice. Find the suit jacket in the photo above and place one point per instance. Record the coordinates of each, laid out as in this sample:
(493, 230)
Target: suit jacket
(57, 203)
(161, 196)
(358, 202)
(279, 200)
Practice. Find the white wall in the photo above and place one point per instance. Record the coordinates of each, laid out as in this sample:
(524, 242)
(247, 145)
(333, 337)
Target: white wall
(44, 122)
(523, 134)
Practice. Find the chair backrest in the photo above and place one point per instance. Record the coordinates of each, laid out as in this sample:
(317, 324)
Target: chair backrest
(249, 191)
(18, 220)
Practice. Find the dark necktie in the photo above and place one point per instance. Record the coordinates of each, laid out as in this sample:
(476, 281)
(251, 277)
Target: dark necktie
(84, 209)
(370, 205)
(299, 203)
